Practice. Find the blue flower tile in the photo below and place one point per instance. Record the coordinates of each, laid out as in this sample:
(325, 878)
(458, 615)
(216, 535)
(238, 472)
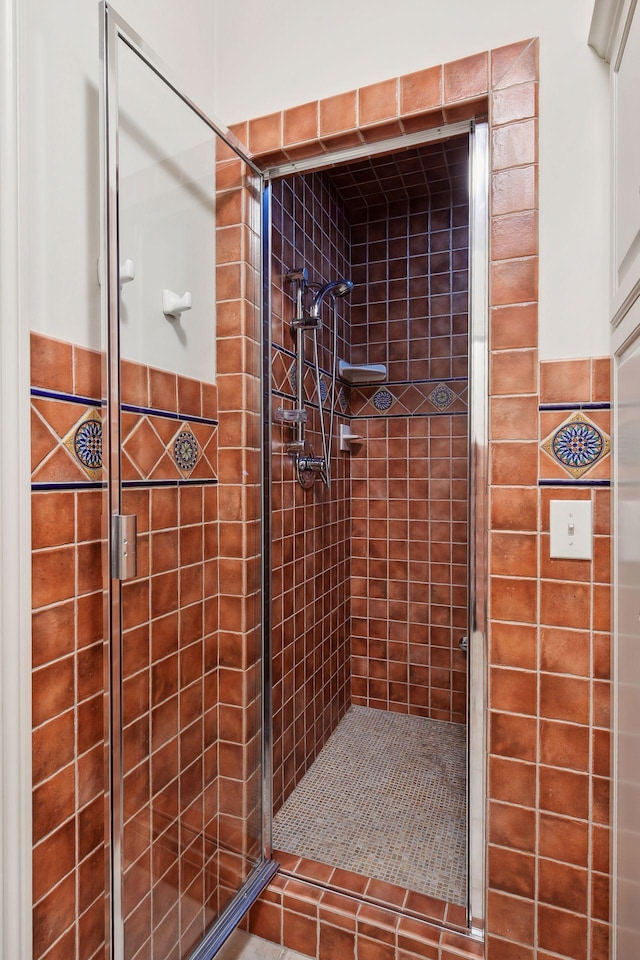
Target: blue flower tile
(84, 443)
(383, 400)
(442, 396)
(186, 451)
(577, 444)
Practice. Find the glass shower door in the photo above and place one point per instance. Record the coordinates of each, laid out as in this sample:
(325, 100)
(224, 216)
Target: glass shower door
(186, 714)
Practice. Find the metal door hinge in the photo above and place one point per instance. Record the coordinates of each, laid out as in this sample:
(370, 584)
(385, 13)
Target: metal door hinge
(124, 542)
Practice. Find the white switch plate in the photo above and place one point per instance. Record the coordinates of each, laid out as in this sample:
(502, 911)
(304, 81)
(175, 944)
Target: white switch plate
(571, 529)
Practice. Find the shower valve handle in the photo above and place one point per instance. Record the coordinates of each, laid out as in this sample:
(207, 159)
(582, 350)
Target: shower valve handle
(311, 464)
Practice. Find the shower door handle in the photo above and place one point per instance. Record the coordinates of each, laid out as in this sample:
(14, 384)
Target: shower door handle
(124, 547)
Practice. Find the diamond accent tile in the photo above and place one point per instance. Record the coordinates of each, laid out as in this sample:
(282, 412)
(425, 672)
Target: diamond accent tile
(60, 415)
(186, 451)
(410, 398)
(577, 444)
(278, 371)
(383, 400)
(144, 447)
(442, 396)
(84, 443)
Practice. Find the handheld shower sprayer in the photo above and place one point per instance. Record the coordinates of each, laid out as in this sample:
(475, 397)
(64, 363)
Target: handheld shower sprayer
(335, 288)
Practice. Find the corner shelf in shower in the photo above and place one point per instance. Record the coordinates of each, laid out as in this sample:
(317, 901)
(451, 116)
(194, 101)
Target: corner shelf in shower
(346, 438)
(357, 373)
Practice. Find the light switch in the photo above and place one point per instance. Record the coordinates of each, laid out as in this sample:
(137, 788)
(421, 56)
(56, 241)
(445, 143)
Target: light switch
(571, 528)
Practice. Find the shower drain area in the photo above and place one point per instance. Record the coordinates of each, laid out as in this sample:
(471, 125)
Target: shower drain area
(386, 799)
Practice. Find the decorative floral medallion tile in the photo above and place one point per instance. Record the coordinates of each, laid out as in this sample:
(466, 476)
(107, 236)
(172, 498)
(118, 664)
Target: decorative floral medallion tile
(442, 396)
(342, 399)
(577, 445)
(293, 376)
(186, 451)
(84, 442)
(382, 400)
(324, 390)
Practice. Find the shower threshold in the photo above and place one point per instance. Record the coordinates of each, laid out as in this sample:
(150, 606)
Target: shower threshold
(385, 799)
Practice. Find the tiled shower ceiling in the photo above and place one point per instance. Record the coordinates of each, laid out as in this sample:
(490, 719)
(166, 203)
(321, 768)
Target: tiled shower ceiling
(433, 169)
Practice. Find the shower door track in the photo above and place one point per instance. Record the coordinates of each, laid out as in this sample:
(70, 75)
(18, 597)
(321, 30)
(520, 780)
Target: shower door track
(478, 132)
(338, 157)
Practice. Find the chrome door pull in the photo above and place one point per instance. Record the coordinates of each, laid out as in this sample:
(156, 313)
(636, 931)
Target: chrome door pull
(124, 531)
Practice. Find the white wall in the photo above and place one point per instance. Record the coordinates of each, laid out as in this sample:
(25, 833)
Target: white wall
(241, 59)
(278, 54)
(60, 158)
(166, 172)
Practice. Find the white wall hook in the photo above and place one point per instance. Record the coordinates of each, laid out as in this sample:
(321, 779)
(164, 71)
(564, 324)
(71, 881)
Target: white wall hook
(173, 305)
(127, 271)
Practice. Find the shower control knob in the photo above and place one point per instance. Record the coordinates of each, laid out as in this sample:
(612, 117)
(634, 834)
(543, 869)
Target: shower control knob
(311, 464)
(173, 304)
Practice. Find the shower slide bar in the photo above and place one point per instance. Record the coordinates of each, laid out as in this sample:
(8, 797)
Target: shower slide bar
(308, 465)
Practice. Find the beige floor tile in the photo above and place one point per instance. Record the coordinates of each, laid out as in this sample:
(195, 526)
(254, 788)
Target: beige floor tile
(244, 946)
(385, 798)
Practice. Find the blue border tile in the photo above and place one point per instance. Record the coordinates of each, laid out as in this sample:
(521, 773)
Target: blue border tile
(70, 397)
(126, 484)
(69, 485)
(574, 406)
(167, 414)
(574, 483)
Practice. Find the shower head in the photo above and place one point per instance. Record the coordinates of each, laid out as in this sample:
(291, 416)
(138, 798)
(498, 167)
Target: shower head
(335, 288)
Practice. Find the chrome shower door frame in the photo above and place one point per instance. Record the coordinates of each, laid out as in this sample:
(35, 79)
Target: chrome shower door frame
(479, 168)
(478, 520)
(114, 29)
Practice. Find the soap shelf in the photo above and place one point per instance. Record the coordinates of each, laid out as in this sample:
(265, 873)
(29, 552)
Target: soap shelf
(290, 416)
(362, 372)
(346, 438)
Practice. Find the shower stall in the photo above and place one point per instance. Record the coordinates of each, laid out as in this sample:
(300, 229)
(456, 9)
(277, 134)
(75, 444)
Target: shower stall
(372, 573)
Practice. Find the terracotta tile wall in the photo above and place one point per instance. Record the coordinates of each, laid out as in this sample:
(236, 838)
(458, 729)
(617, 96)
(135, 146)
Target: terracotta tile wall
(549, 681)
(548, 630)
(169, 660)
(202, 588)
(328, 925)
(310, 528)
(409, 476)
(234, 798)
(68, 639)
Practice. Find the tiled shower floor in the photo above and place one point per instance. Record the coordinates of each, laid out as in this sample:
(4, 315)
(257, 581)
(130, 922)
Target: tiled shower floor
(385, 798)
